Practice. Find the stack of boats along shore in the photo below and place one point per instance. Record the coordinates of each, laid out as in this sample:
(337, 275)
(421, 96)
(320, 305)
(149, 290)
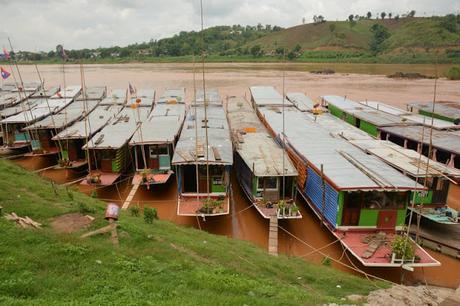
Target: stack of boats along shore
(361, 167)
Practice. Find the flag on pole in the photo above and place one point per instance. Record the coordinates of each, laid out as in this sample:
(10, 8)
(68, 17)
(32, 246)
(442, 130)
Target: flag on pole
(132, 91)
(6, 54)
(5, 74)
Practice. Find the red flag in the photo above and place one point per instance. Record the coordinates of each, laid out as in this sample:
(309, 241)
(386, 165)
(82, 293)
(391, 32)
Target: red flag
(5, 74)
(6, 53)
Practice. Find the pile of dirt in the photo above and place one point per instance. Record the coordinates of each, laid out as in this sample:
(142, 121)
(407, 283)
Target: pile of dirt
(409, 75)
(404, 295)
(323, 71)
(70, 223)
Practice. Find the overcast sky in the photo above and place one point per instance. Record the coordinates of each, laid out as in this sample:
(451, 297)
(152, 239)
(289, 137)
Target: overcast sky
(42, 24)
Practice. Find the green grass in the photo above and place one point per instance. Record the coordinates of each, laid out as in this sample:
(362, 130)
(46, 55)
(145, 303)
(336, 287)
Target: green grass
(159, 263)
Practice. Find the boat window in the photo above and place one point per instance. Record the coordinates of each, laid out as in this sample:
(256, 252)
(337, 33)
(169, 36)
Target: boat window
(270, 183)
(158, 150)
(384, 200)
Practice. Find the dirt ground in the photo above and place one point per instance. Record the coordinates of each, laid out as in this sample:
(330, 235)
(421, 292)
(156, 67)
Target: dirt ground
(70, 223)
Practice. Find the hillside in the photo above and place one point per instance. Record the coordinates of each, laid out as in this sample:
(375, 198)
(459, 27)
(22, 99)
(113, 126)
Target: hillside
(157, 263)
(410, 40)
(401, 40)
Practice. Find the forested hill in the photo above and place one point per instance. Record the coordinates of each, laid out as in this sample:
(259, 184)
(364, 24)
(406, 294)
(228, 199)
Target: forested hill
(358, 39)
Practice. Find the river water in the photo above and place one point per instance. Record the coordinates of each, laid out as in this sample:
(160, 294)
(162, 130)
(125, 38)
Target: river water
(296, 237)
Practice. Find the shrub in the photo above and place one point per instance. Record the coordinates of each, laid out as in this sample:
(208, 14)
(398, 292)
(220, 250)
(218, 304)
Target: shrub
(150, 214)
(134, 210)
(453, 73)
(85, 209)
(402, 247)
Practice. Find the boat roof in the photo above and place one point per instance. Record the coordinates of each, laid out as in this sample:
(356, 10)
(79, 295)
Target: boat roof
(119, 131)
(366, 113)
(212, 97)
(301, 101)
(406, 160)
(66, 116)
(162, 126)
(146, 98)
(418, 118)
(254, 144)
(344, 165)
(96, 120)
(449, 109)
(93, 93)
(444, 140)
(22, 106)
(28, 86)
(43, 108)
(46, 93)
(220, 150)
(176, 94)
(267, 95)
(116, 96)
(70, 92)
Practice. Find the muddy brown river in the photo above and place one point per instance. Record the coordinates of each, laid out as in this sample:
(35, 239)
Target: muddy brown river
(296, 237)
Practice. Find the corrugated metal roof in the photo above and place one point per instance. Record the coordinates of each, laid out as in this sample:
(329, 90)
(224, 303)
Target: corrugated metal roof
(96, 120)
(70, 92)
(28, 86)
(366, 113)
(405, 159)
(146, 97)
(421, 119)
(44, 108)
(301, 101)
(449, 109)
(116, 97)
(258, 149)
(212, 97)
(177, 94)
(267, 95)
(448, 141)
(162, 126)
(23, 106)
(345, 165)
(93, 93)
(120, 130)
(46, 93)
(66, 116)
(218, 137)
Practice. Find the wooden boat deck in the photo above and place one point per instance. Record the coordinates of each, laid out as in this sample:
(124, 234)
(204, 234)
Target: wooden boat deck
(189, 205)
(45, 153)
(106, 178)
(152, 178)
(74, 164)
(437, 215)
(354, 241)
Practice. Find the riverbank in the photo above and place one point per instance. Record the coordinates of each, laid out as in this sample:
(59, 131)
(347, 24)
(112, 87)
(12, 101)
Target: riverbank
(160, 262)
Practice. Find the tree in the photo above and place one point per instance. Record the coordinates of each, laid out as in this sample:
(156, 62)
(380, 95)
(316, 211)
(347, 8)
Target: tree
(279, 51)
(390, 15)
(369, 15)
(303, 20)
(449, 22)
(351, 17)
(397, 17)
(380, 35)
(383, 14)
(256, 50)
(332, 27)
(411, 14)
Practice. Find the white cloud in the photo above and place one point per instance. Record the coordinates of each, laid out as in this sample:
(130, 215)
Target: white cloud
(41, 25)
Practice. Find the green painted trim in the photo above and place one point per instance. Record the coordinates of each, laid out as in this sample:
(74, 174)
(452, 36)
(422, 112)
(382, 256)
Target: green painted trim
(435, 115)
(335, 111)
(217, 188)
(428, 199)
(369, 217)
(368, 128)
(340, 210)
(350, 119)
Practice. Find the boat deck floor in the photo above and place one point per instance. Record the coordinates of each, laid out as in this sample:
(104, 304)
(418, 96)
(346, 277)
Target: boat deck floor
(357, 242)
(436, 215)
(152, 178)
(106, 178)
(73, 164)
(189, 205)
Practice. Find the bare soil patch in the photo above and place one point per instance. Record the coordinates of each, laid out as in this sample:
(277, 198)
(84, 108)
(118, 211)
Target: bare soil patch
(70, 223)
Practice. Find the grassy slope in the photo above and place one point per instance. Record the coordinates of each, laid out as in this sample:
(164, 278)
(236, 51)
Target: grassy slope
(405, 33)
(155, 264)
